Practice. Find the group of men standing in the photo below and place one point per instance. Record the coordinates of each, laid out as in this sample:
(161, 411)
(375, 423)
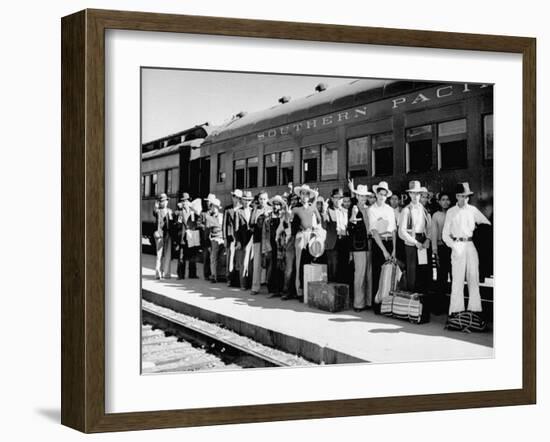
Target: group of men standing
(257, 239)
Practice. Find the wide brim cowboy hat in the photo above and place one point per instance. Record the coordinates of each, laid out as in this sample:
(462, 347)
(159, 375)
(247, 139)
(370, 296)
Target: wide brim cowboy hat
(463, 189)
(247, 195)
(362, 190)
(210, 197)
(382, 185)
(277, 199)
(305, 188)
(415, 187)
(216, 202)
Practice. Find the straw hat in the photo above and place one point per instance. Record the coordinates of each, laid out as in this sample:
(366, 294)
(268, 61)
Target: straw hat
(247, 195)
(216, 202)
(316, 247)
(415, 187)
(362, 190)
(237, 193)
(210, 197)
(185, 196)
(305, 188)
(163, 197)
(463, 189)
(277, 199)
(382, 185)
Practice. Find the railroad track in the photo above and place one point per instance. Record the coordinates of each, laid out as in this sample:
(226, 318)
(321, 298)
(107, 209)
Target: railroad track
(172, 342)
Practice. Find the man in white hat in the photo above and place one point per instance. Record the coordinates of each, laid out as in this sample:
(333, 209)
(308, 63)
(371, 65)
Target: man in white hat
(415, 231)
(383, 228)
(337, 244)
(214, 222)
(458, 232)
(305, 218)
(229, 214)
(358, 229)
(162, 234)
(259, 216)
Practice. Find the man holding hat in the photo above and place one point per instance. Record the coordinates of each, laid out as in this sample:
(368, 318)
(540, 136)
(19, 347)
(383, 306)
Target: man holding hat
(458, 232)
(415, 231)
(188, 237)
(383, 228)
(163, 241)
(229, 214)
(243, 243)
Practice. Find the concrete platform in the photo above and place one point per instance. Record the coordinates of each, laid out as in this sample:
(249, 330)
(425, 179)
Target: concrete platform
(321, 337)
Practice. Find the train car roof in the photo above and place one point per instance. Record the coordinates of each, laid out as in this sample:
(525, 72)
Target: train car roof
(318, 103)
(192, 144)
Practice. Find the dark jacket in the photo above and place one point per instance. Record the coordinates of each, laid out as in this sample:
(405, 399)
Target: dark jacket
(182, 225)
(358, 233)
(243, 232)
(229, 214)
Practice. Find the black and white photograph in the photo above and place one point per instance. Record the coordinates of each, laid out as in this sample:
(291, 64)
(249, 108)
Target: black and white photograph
(294, 220)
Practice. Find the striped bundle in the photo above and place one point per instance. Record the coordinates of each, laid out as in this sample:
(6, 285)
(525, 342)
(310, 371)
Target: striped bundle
(466, 321)
(405, 305)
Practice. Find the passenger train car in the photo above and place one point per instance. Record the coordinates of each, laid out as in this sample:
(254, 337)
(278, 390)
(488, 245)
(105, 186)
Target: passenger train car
(368, 130)
(172, 165)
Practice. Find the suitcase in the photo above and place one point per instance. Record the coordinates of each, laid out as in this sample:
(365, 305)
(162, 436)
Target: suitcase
(328, 296)
(390, 275)
(466, 321)
(406, 305)
(313, 272)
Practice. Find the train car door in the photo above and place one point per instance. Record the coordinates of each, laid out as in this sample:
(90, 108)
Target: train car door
(199, 177)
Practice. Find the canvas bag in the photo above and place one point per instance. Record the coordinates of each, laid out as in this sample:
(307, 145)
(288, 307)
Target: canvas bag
(389, 278)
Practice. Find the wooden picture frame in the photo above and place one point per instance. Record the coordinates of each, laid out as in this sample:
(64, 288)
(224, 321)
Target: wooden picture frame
(83, 216)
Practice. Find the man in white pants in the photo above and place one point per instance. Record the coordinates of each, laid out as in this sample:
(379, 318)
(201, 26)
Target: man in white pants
(458, 231)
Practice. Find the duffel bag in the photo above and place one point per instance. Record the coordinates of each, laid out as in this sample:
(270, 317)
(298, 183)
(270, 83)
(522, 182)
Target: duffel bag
(409, 306)
(466, 321)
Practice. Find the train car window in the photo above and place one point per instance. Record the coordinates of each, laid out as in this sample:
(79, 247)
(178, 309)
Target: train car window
(329, 162)
(147, 191)
(219, 173)
(175, 180)
(270, 169)
(488, 137)
(452, 145)
(239, 174)
(358, 157)
(168, 182)
(310, 164)
(287, 167)
(252, 172)
(382, 154)
(154, 184)
(419, 148)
